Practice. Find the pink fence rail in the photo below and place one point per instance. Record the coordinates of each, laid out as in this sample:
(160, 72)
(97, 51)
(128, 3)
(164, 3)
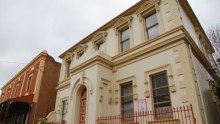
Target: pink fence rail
(176, 115)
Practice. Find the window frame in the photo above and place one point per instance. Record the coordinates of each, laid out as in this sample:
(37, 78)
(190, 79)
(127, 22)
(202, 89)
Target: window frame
(146, 28)
(165, 86)
(120, 25)
(127, 95)
(29, 82)
(126, 40)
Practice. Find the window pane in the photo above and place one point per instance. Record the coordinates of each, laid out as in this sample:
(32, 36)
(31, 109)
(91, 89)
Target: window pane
(125, 45)
(127, 89)
(162, 98)
(159, 80)
(151, 20)
(127, 99)
(124, 35)
(153, 32)
(161, 95)
(127, 106)
(161, 91)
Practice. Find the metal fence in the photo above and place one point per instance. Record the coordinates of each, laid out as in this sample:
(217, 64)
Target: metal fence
(175, 115)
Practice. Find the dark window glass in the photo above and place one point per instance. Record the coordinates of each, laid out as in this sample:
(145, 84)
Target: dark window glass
(151, 20)
(125, 41)
(161, 94)
(153, 32)
(152, 28)
(29, 83)
(159, 80)
(127, 106)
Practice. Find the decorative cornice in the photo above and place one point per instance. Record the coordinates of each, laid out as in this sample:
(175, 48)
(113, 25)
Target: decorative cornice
(198, 53)
(108, 25)
(146, 6)
(99, 35)
(95, 60)
(166, 34)
(188, 10)
(81, 47)
(65, 80)
(123, 20)
(38, 58)
(63, 85)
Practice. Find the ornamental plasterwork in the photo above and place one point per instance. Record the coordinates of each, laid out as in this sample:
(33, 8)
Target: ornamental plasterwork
(124, 21)
(134, 84)
(170, 79)
(69, 55)
(81, 47)
(98, 37)
(108, 83)
(146, 6)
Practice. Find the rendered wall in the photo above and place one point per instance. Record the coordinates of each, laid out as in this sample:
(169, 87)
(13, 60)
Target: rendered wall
(210, 109)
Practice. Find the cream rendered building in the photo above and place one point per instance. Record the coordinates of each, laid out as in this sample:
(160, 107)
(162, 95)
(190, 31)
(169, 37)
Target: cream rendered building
(154, 47)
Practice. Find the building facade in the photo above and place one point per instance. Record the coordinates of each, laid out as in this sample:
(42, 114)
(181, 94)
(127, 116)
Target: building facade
(31, 93)
(153, 57)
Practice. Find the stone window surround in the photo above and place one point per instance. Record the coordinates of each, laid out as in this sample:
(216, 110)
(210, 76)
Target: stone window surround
(68, 57)
(102, 82)
(16, 87)
(81, 49)
(98, 38)
(147, 9)
(29, 80)
(122, 24)
(61, 105)
(122, 81)
(148, 83)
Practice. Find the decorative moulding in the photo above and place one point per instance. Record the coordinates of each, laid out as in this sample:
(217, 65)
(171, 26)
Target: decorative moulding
(143, 10)
(135, 96)
(123, 20)
(81, 47)
(147, 94)
(116, 100)
(100, 35)
(172, 88)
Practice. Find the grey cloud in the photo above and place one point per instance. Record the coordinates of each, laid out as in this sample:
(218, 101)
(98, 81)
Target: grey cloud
(28, 27)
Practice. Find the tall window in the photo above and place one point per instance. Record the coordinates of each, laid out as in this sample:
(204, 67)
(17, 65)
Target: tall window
(29, 83)
(127, 106)
(125, 41)
(64, 109)
(68, 62)
(152, 27)
(161, 93)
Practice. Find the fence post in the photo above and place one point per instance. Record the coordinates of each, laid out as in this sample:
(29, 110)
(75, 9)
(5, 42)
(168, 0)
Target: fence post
(194, 119)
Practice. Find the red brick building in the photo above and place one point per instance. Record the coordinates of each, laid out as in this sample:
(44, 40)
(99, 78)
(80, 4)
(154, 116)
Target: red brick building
(31, 93)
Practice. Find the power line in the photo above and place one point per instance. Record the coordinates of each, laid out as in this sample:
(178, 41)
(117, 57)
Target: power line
(12, 62)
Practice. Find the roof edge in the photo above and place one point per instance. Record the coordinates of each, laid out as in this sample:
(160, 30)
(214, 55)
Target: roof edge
(111, 22)
(43, 53)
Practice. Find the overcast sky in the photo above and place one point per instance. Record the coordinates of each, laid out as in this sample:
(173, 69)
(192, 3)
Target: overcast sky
(28, 27)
